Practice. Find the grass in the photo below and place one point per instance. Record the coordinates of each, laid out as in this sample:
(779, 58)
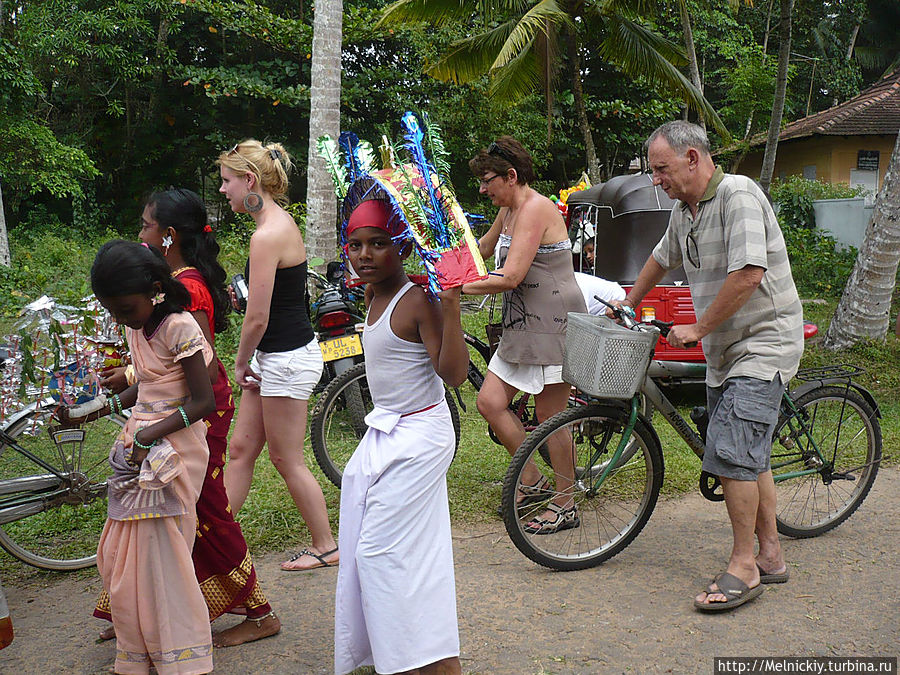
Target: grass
(271, 521)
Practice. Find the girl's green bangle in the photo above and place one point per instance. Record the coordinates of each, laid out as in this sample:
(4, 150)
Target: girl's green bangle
(184, 417)
(116, 405)
(141, 445)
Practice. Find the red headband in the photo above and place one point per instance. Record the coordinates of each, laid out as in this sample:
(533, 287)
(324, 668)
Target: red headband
(375, 213)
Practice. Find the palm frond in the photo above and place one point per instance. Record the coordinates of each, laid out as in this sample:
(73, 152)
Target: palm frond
(634, 49)
(517, 79)
(631, 9)
(536, 21)
(328, 151)
(436, 146)
(470, 58)
(437, 12)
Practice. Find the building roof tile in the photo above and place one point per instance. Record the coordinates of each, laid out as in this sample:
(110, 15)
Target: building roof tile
(875, 111)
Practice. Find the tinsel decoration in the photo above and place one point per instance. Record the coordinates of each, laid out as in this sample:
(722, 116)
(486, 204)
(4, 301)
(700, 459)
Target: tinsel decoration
(56, 354)
(349, 143)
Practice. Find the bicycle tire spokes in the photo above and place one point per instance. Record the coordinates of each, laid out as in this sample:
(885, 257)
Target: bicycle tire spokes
(610, 512)
(62, 523)
(830, 448)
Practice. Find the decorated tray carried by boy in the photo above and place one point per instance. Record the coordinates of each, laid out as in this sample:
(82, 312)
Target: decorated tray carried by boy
(419, 194)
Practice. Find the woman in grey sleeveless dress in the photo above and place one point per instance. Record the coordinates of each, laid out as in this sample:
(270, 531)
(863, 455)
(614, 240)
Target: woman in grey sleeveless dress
(534, 262)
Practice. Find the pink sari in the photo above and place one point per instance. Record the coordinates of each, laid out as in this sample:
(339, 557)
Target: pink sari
(158, 610)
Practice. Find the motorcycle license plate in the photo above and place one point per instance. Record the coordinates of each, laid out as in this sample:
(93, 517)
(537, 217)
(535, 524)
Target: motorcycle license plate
(341, 348)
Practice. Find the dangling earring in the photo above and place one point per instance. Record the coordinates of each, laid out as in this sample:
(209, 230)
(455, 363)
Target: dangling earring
(158, 299)
(253, 202)
(166, 243)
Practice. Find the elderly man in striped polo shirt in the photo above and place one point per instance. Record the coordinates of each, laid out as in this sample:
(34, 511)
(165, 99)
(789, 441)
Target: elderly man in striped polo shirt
(724, 233)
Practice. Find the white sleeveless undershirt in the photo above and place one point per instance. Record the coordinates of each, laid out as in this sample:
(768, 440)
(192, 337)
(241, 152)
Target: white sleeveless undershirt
(400, 373)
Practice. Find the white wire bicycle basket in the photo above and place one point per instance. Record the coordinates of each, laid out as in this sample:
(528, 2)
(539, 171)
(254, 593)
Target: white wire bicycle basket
(604, 359)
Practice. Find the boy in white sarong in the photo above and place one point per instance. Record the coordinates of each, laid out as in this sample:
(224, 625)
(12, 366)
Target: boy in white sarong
(396, 593)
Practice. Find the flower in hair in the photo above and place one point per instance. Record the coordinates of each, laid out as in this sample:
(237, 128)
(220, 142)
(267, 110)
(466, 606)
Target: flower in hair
(207, 228)
(158, 299)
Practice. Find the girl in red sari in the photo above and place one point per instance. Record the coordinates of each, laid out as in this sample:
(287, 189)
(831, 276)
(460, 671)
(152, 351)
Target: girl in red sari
(175, 222)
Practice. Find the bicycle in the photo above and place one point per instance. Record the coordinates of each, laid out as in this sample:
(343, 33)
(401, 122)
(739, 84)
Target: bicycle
(53, 487)
(826, 454)
(337, 422)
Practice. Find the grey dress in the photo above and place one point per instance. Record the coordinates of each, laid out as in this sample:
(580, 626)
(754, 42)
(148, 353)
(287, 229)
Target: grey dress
(534, 312)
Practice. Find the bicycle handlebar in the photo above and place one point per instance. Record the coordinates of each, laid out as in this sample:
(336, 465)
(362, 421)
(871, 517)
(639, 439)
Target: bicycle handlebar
(625, 314)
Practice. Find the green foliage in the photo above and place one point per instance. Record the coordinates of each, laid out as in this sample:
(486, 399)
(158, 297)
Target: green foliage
(48, 258)
(257, 80)
(794, 198)
(33, 160)
(819, 267)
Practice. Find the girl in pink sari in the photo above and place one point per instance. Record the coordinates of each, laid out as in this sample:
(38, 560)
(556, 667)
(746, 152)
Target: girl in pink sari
(159, 463)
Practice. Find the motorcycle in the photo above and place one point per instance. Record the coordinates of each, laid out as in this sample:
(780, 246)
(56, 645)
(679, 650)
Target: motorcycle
(337, 316)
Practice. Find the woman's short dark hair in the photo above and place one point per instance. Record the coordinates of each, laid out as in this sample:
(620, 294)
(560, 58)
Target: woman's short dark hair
(129, 268)
(503, 154)
(183, 210)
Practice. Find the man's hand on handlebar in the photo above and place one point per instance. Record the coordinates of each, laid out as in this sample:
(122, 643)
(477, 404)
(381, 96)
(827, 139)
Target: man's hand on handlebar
(684, 336)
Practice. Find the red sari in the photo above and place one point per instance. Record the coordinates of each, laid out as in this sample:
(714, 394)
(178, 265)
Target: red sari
(222, 562)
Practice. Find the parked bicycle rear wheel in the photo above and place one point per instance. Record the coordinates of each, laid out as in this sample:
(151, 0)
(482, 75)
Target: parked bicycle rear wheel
(62, 531)
(337, 423)
(610, 515)
(846, 430)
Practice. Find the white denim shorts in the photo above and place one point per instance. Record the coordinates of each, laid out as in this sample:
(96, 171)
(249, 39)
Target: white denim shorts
(291, 374)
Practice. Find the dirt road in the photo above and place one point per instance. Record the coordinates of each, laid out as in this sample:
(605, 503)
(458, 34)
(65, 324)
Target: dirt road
(631, 615)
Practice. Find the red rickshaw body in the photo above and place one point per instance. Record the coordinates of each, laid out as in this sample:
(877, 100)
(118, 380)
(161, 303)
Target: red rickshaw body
(627, 216)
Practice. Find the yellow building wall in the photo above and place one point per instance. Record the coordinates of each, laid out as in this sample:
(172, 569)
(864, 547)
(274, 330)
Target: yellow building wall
(833, 157)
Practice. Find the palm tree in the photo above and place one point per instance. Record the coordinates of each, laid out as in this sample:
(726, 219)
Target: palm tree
(4, 240)
(324, 118)
(784, 55)
(864, 308)
(518, 46)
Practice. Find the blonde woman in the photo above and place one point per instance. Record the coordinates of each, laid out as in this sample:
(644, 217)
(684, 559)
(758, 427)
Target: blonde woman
(277, 335)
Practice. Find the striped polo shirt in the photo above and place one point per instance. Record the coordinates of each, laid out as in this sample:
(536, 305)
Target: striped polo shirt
(736, 227)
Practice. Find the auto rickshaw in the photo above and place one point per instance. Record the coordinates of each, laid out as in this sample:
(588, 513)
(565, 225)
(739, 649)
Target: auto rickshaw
(624, 218)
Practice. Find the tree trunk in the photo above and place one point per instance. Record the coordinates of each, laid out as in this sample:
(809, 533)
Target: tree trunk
(864, 308)
(691, 53)
(590, 150)
(324, 118)
(784, 55)
(4, 239)
(162, 35)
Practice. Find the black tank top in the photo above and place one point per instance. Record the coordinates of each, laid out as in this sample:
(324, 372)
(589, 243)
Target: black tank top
(289, 326)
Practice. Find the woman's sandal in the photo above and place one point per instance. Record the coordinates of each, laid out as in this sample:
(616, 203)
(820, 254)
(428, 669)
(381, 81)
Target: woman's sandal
(318, 556)
(566, 519)
(532, 494)
(540, 491)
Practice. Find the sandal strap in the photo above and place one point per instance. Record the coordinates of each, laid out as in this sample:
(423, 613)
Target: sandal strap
(542, 486)
(302, 553)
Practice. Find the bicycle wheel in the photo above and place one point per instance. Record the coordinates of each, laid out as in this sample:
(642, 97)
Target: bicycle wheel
(337, 423)
(610, 515)
(846, 430)
(64, 531)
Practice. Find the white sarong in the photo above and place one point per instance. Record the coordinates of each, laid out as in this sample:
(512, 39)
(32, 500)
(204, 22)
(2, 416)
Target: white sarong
(395, 606)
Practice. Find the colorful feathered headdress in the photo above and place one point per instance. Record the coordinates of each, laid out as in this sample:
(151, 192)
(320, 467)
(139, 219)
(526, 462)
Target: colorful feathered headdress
(421, 201)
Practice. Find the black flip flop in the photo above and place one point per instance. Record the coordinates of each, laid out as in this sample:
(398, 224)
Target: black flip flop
(735, 590)
(779, 578)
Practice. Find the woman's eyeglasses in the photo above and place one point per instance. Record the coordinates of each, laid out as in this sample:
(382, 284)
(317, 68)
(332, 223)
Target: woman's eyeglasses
(484, 182)
(693, 254)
